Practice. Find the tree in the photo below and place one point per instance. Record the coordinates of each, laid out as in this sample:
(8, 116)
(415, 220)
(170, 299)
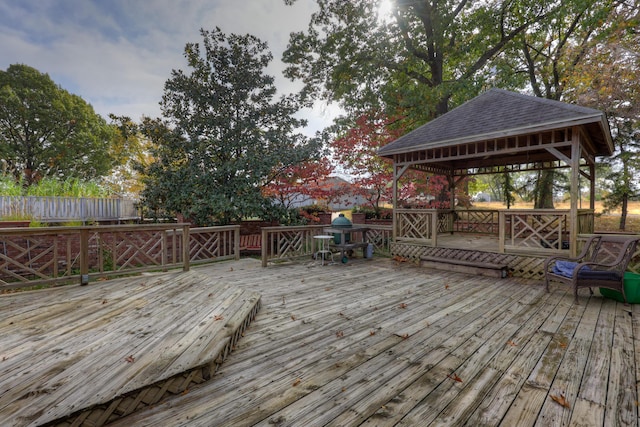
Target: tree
(224, 137)
(413, 61)
(301, 184)
(609, 79)
(46, 131)
(623, 180)
(355, 152)
(130, 149)
(548, 60)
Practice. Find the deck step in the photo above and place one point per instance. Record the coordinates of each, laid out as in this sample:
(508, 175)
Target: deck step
(119, 346)
(465, 266)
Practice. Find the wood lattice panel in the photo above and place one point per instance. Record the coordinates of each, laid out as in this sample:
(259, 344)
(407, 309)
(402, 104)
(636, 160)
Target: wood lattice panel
(414, 225)
(535, 231)
(476, 221)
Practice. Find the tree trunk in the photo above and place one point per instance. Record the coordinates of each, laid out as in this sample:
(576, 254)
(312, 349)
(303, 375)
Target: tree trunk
(623, 212)
(543, 192)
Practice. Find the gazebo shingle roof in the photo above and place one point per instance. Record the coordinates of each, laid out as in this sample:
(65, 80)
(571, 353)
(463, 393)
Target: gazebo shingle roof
(499, 113)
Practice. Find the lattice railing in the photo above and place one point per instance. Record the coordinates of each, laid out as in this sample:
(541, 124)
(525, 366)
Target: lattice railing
(476, 221)
(540, 229)
(286, 243)
(416, 224)
(33, 256)
(207, 243)
(380, 236)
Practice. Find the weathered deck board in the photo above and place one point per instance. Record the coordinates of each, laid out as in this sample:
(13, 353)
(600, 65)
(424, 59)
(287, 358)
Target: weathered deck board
(375, 343)
(382, 344)
(104, 350)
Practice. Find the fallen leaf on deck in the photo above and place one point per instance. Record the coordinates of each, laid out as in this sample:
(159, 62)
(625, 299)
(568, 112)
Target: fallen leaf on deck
(231, 269)
(454, 377)
(339, 334)
(446, 286)
(185, 391)
(399, 259)
(403, 305)
(218, 317)
(561, 400)
(104, 301)
(403, 336)
(296, 382)
(293, 317)
(130, 359)
(511, 343)
(372, 333)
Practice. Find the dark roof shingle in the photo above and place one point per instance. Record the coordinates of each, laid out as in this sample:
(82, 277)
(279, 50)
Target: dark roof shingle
(495, 112)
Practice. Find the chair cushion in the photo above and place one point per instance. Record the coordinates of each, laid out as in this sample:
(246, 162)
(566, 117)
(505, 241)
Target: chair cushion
(565, 268)
(599, 275)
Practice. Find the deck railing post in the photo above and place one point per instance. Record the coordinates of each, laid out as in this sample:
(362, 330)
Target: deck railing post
(265, 245)
(501, 231)
(84, 256)
(434, 228)
(164, 249)
(236, 242)
(185, 247)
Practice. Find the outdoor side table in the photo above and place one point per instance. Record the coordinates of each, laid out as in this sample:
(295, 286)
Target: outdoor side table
(323, 248)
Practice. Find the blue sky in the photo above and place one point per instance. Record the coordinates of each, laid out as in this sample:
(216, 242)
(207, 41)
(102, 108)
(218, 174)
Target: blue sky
(117, 54)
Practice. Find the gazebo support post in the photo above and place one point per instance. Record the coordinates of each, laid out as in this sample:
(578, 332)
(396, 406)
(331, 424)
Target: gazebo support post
(398, 171)
(575, 190)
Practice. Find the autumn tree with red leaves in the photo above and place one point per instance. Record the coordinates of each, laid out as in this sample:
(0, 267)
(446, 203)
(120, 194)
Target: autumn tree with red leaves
(302, 183)
(356, 152)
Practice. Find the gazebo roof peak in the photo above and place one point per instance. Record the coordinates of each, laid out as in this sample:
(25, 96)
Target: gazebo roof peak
(499, 113)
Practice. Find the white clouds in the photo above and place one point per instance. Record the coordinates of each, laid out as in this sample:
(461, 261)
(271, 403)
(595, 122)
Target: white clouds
(117, 54)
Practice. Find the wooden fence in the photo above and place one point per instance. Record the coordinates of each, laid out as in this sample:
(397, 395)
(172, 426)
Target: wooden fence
(67, 209)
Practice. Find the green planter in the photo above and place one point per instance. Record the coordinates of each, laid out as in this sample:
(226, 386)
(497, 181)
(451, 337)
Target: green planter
(631, 289)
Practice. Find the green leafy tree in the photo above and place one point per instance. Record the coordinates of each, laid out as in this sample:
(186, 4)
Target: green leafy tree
(548, 60)
(46, 131)
(132, 152)
(609, 79)
(225, 135)
(623, 181)
(414, 61)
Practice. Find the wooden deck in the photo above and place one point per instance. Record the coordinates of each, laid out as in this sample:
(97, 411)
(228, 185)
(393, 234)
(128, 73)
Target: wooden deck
(375, 343)
(379, 343)
(89, 355)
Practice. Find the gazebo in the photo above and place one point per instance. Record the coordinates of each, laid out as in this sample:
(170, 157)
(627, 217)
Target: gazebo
(501, 132)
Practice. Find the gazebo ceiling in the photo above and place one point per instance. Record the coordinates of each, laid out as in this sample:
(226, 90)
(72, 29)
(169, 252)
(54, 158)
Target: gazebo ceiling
(502, 128)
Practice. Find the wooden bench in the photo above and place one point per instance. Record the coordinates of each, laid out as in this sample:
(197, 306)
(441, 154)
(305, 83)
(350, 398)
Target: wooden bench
(463, 266)
(251, 242)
